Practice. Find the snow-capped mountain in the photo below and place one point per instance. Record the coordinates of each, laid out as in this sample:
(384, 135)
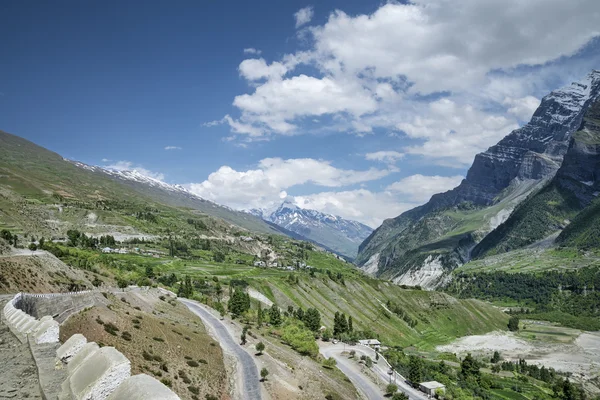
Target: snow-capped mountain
(336, 233)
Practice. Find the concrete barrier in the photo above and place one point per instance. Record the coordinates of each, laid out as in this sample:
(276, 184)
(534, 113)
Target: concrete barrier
(98, 376)
(71, 347)
(83, 354)
(46, 332)
(93, 373)
(142, 387)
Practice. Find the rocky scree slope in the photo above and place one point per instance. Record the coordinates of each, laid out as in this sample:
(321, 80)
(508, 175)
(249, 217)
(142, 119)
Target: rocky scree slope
(441, 234)
(574, 187)
(335, 233)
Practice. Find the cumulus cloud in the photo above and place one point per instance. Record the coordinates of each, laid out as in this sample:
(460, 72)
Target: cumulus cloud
(522, 108)
(252, 50)
(450, 131)
(419, 188)
(388, 156)
(303, 16)
(262, 186)
(172, 148)
(130, 166)
(390, 68)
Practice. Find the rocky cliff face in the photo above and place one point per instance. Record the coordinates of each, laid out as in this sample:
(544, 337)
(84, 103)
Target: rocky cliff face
(521, 161)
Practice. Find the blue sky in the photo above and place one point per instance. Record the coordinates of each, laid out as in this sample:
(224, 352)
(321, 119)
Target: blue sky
(359, 109)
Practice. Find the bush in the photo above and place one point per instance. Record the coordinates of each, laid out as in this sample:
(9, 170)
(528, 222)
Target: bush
(166, 382)
(194, 389)
(111, 328)
(301, 339)
(126, 336)
(193, 363)
(264, 373)
(260, 347)
(329, 363)
(391, 389)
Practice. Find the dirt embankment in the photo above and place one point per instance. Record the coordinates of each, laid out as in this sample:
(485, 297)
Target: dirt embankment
(160, 337)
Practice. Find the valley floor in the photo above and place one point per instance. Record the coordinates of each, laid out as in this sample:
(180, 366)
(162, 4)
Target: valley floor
(564, 349)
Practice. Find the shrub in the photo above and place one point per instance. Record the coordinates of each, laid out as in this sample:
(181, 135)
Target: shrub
(158, 339)
(193, 363)
(264, 373)
(111, 328)
(166, 382)
(391, 389)
(194, 389)
(260, 347)
(126, 336)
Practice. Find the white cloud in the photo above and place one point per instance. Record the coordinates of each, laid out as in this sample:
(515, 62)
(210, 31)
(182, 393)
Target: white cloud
(106, 160)
(256, 68)
(252, 50)
(303, 16)
(129, 166)
(454, 132)
(172, 148)
(420, 188)
(261, 187)
(388, 156)
(368, 71)
(522, 108)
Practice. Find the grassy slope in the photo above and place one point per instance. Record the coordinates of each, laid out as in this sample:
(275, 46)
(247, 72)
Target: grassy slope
(31, 177)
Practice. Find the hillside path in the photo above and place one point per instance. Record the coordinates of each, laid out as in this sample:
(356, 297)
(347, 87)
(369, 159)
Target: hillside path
(251, 384)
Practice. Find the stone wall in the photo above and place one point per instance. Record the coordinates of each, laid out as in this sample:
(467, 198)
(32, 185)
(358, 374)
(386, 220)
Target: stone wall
(80, 370)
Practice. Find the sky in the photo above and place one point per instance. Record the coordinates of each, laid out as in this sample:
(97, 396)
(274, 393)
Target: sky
(359, 109)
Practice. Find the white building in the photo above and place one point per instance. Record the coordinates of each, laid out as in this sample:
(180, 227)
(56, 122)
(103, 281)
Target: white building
(372, 343)
(432, 388)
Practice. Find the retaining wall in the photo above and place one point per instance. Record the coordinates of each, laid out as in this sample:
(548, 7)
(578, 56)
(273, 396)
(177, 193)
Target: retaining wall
(77, 370)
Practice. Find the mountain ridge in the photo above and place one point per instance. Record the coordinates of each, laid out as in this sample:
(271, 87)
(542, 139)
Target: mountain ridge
(448, 226)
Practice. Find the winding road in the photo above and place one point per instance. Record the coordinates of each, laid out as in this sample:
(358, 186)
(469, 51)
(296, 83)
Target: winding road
(361, 381)
(251, 384)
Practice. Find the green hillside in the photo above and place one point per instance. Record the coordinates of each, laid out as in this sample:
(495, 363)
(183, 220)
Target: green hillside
(42, 193)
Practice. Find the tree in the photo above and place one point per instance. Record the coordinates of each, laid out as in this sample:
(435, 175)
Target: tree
(239, 303)
(415, 369)
(6, 235)
(275, 315)
(495, 357)
(32, 247)
(259, 315)
(264, 373)
(391, 389)
(399, 396)
(513, 324)
(243, 336)
(41, 242)
(219, 257)
(300, 314)
(368, 362)
(149, 271)
(260, 347)
(469, 367)
(312, 319)
(350, 327)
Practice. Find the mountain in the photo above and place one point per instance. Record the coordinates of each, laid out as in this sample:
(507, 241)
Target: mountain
(547, 212)
(34, 182)
(423, 244)
(335, 233)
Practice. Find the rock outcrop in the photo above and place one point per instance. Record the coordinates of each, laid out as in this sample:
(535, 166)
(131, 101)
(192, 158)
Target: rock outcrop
(521, 162)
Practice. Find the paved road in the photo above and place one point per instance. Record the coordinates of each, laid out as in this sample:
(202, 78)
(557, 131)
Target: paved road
(350, 368)
(381, 369)
(251, 384)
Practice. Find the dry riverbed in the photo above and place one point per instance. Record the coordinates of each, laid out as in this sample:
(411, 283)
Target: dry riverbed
(564, 349)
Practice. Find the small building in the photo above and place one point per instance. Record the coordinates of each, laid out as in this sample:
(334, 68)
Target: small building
(372, 343)
(432, 388)
(259, 264)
